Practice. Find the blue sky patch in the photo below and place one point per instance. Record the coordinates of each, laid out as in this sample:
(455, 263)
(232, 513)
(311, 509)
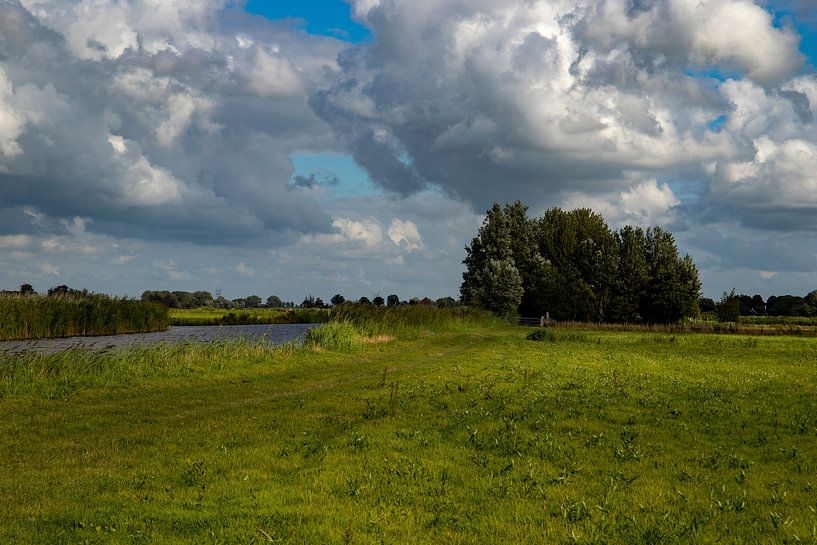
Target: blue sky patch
(321, 17)
(804, 25)
(351, 179)
(718, 123)
(720, 74)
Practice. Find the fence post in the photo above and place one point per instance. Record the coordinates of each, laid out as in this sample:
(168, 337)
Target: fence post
(542, 321)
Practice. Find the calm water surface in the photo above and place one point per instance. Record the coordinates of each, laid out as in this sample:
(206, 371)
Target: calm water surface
(274, 334)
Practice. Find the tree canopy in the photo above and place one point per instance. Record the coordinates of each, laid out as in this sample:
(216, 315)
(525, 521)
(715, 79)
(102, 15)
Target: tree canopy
(570, 265)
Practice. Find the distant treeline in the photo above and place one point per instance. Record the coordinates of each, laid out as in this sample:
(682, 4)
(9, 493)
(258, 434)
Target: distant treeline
(196, 299)
(394, 300)
(68, 313)
(570, 265)
(199, 299)
(731, 306)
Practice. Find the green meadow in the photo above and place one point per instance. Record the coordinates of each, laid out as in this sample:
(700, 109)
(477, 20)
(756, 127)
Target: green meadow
(391, 431)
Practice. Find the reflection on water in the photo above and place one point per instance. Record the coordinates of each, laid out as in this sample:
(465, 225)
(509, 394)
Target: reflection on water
(273, 334)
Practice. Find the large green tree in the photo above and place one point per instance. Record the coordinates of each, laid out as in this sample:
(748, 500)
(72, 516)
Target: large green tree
(493, 242)
(500, 287)
(674, 288)
(573, 267)
(582, 250)
(633, 275)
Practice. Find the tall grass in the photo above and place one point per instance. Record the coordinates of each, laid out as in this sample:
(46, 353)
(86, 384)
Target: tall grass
(409, 322)
(352, 325)
(336, 336)
(58, 375)
(37, 316)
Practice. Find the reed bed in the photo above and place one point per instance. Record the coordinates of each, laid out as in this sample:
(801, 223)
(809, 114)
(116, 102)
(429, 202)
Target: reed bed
(409, 322)
(336, 336)
(354, 325)
(39, 316)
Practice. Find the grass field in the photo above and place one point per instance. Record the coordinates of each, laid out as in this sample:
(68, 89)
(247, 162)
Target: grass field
(216, 316)
(468, 434)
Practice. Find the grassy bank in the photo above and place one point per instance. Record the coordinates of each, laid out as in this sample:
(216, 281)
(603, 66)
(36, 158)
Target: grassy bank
(469, 433)
(748, 327)
(779, 320)
(215, 316)
(37, 316)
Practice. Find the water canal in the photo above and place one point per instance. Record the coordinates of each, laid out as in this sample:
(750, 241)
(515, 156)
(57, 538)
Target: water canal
(274, 334)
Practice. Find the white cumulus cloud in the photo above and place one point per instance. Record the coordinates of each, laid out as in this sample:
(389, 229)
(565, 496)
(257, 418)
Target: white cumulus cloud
(644, 204)
(368, 232)
(405, 234)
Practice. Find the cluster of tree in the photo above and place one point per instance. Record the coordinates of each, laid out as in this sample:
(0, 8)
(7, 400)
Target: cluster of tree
(195, 299)
(25, 289)
(731, 306)
(394, 301)
(181, 299)
(313, 302)
(570, 265)
(61, 290)
(185, 299)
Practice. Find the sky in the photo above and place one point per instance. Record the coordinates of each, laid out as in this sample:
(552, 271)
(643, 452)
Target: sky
(319, 147)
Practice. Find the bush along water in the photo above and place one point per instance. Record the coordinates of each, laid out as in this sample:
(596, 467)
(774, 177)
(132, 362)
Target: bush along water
(38, 316)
